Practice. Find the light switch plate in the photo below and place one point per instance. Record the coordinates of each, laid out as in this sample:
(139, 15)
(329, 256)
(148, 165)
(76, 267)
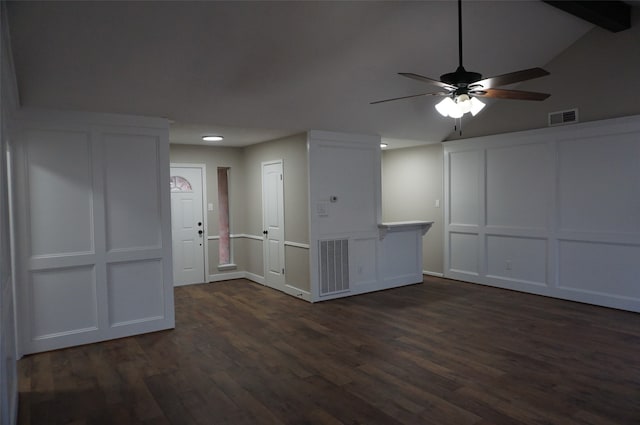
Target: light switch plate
(322, 209)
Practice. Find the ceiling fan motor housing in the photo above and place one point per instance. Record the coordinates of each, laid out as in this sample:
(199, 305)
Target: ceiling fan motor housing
(461, 78)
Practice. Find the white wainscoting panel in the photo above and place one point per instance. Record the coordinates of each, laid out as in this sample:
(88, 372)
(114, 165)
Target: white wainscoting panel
(464, 253)
(363, 270)
(93, 231)
(519, 259)
(466, 175)
(598, 184)
(401, 256)
(135, 292)
(131, 175)
(60, 183)
(65, 301)
(603, 268)
(509, 169)
(559, 211)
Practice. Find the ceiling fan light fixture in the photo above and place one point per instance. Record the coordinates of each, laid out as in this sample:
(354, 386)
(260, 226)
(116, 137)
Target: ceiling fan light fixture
(456, 111)
(476, 106)
(445, 106)
(464, 103)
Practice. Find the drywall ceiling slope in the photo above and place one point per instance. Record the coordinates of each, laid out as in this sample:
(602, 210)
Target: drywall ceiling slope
(278, 65)
(598, 75)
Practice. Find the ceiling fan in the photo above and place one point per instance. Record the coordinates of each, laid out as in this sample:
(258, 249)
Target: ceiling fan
(462, 87)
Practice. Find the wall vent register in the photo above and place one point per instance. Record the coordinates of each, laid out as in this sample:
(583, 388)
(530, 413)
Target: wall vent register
(563, 117)
(334, 266)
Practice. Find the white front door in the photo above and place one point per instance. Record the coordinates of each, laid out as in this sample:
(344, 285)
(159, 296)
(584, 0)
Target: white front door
(187, 225)
(273, 223)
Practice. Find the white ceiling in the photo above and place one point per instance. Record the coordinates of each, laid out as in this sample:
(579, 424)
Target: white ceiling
(237, 68)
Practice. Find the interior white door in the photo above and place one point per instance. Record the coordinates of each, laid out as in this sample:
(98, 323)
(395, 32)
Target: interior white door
(273, 223)
(187, 225)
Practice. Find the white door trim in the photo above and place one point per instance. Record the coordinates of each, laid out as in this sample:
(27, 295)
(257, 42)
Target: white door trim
(203, 169)
(281, 284)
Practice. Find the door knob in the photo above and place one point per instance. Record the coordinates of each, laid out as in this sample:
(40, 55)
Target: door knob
(265, 232)
(199, 223)
(200, 232)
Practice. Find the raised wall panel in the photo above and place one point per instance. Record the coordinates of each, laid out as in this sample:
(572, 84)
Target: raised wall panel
(517, 258)
(132, 198)
(91, 193)
(63, 301)
(464, 197)
(400, 254)
(598, 184)
(135, 291)
(562, 211)
(463, 253)
(603, 268)
(509, 170)
(348, 175)
(60, 192)
(361, 252)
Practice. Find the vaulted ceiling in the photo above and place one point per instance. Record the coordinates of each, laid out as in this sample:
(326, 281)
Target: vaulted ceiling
(260, 70)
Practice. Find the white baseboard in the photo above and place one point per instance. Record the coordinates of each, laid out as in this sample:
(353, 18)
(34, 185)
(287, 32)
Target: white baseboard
(288, 289)
(225, 276)
(297, 292)
(254, 277)
(436, 274)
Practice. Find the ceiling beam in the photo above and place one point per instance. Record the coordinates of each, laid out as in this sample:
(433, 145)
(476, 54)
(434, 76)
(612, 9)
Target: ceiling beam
(612, 15)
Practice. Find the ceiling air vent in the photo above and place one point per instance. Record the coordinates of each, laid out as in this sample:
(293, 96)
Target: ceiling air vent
(563, 117)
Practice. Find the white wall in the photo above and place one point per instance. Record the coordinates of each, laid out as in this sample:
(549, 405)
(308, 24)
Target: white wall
(349, 254)
(411, 186)
(246, 205)
(552, 212)
(598, 74)
(345, 167)
(292, 151)
(93, 228)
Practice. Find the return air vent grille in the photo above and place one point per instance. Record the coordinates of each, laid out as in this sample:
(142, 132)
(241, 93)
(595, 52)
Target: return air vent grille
(563, 117)
(334, 266)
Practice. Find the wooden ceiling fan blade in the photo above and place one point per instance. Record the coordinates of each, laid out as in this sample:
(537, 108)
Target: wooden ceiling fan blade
(510, 78)
(408, 97)
(427, 80)
(509, 94)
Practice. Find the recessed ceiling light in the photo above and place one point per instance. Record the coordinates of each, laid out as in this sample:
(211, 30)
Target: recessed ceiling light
(383, 145)
(212, 138)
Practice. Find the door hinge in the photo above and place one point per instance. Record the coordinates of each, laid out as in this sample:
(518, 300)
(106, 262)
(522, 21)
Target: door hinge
(282, 271)
(280, 176)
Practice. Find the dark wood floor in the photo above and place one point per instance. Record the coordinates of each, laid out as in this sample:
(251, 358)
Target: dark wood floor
(440, 353)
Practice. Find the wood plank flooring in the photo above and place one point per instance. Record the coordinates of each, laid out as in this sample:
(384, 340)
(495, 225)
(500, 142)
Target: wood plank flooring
(442, 352)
